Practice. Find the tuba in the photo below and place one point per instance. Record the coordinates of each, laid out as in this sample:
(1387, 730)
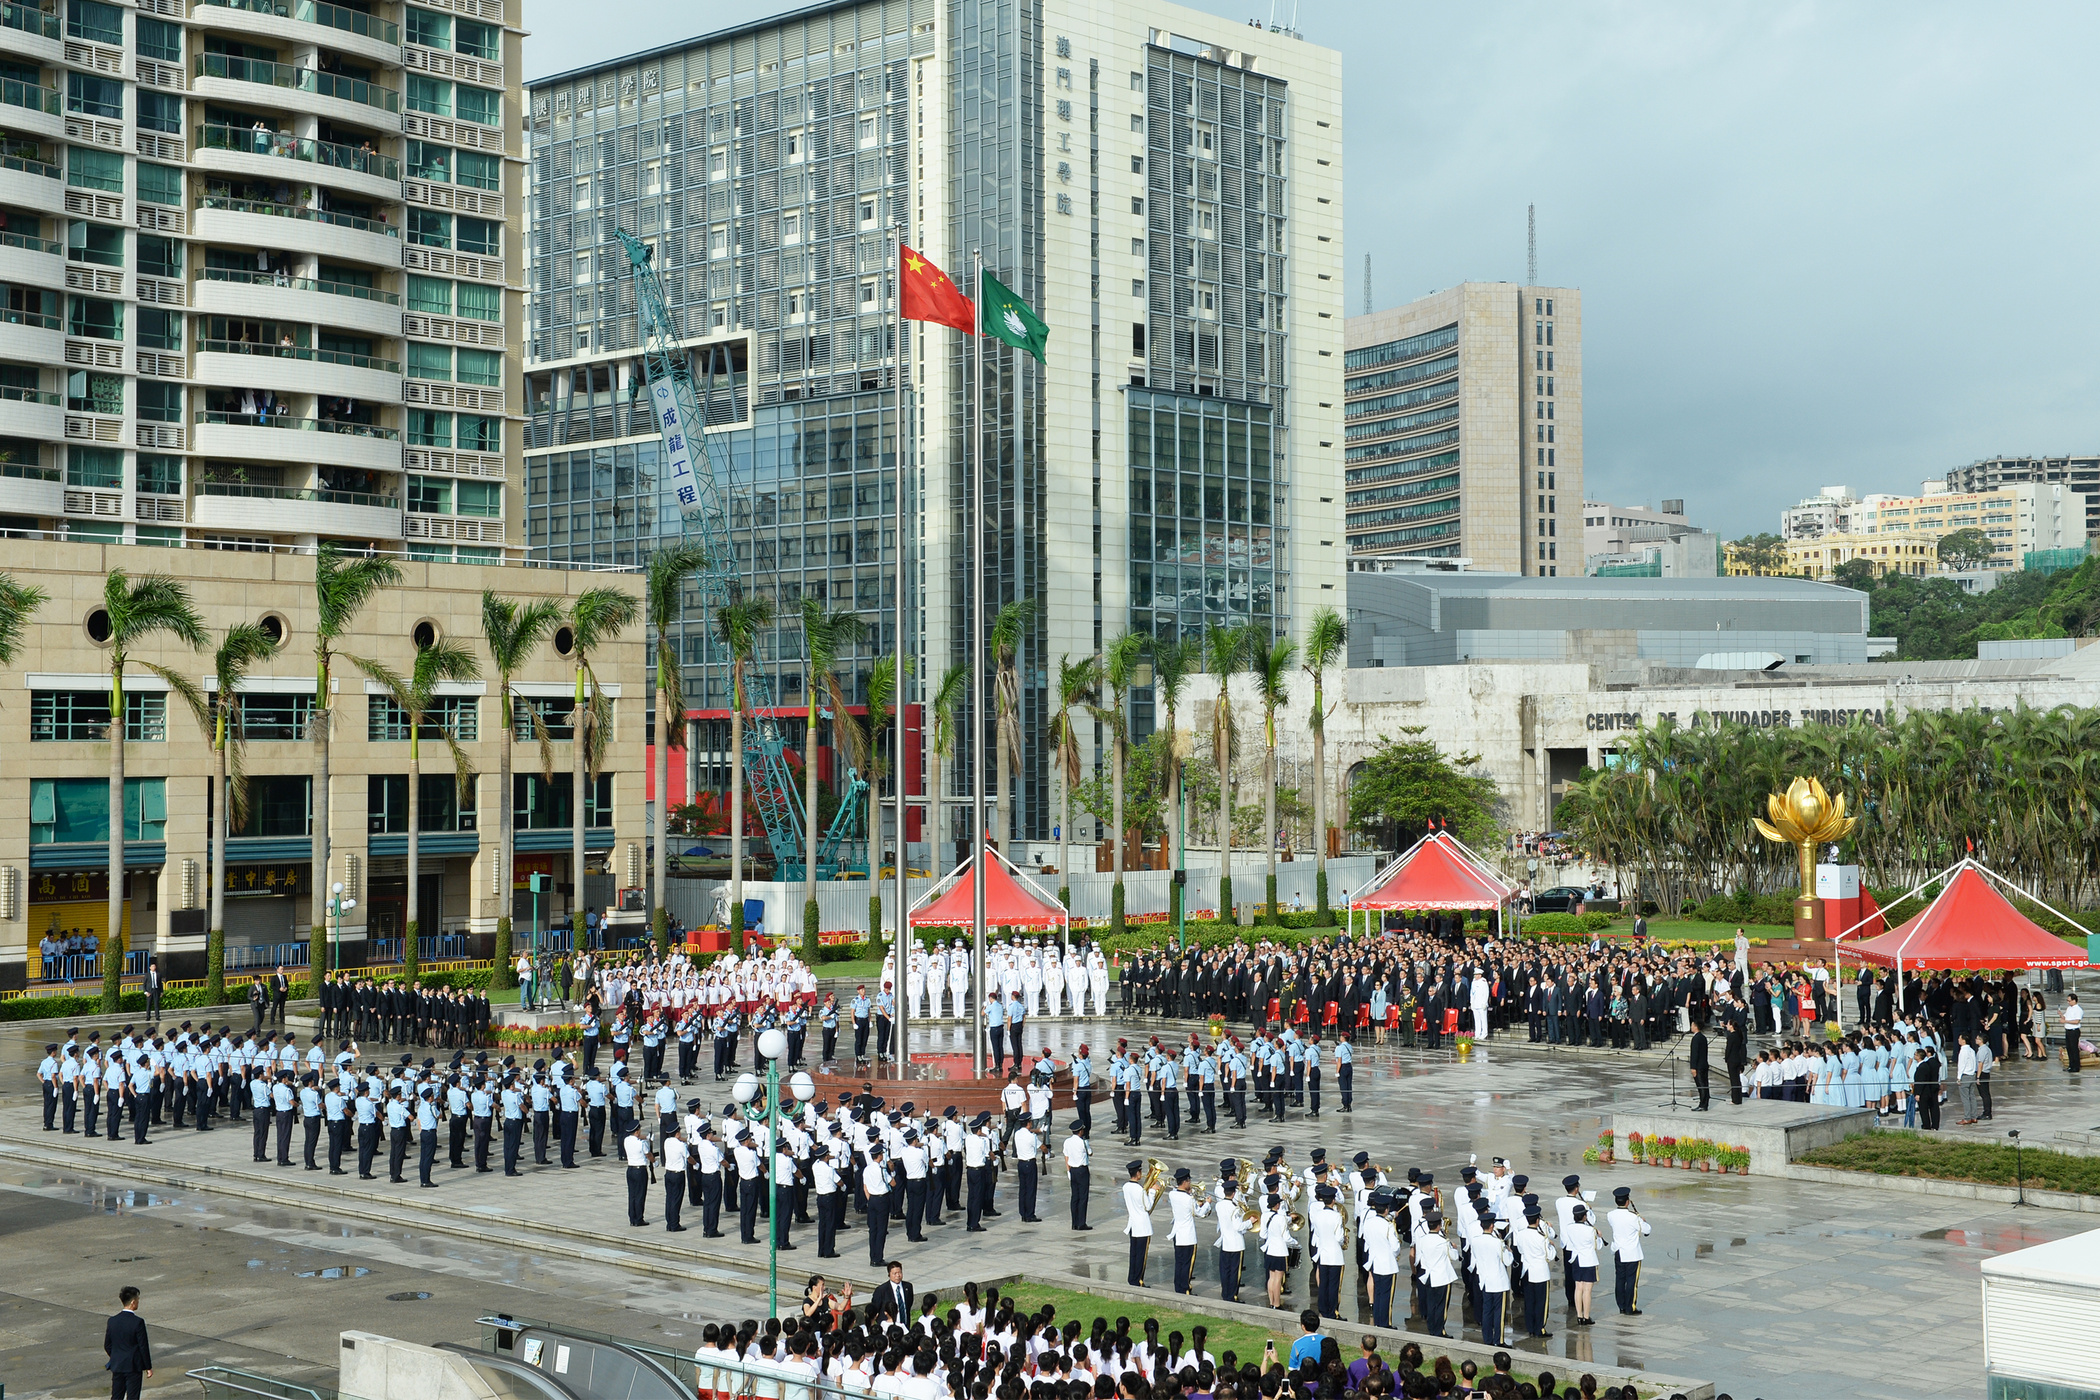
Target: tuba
(1249, 1178)
(1156, 1176)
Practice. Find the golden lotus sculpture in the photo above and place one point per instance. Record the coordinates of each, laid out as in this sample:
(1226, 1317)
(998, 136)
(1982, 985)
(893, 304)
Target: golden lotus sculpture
(1805, 816)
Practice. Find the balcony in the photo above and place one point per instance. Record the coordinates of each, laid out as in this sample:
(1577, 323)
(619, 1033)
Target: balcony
(308, 89)
(31, 338)
(297, 369)
(258, 154)
(297, 441)
(29, 490)
(334, 236)
(261, 296)
(287, 510)
(38, 34)
(30, 413)
(31, 110)
(308, 22)
(29, 183)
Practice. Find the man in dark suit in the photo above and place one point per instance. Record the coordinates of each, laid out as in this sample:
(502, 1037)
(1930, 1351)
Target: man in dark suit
(280, 989)
(1701, 1074)
(152, 986)
(130, 1354)
(892, 1297)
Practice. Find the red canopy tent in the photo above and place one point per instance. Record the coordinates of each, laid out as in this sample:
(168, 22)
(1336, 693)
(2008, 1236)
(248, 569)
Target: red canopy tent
(1011, 900)
(1970, 925)
(1437, 872)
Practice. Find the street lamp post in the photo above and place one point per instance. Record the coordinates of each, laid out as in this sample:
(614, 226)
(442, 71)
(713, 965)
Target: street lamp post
(773, 1048)
(336, 905)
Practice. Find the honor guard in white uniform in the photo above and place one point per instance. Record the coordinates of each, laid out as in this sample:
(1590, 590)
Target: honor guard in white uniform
(1381, 1244)
(1325, 1226)
(1435, 1270)
(1233, 1224)
(1491, 1259)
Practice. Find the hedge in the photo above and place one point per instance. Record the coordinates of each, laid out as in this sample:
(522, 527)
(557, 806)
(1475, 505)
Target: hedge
(133, 1003)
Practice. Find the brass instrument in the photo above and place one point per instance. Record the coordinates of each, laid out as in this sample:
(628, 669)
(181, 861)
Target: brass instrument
(1157, 1174)
(1249, 1178)
(1297, 1219)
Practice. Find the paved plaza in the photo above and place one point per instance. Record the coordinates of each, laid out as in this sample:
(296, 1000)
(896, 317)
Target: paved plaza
(1765, 1286)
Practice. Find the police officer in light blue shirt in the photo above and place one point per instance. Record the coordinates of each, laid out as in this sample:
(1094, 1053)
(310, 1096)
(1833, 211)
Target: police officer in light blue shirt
(1083, 1088)
(666, 1112)
(1313, 1059)
(366, 1109)
(427, 1132)
(567, 1105)
(542, 1113)
(481, 1106)
(459, 1106)
(1207, 1077)
(625, 1102)
(397, 1120)
(512, 1102)
(1170, 1093)
(862, 1009)
(259, 1109)
(597, 1094)
(1345, 1070)
(333, 1111)
(995, 1022)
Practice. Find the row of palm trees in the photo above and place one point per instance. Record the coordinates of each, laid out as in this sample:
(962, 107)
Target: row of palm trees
(139, 610)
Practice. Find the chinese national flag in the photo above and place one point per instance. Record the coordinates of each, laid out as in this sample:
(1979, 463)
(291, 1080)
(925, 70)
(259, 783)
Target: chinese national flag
(930, 296)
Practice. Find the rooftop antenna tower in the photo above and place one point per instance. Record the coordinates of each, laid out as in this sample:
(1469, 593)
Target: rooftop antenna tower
(1367, 284)
(1531, 245)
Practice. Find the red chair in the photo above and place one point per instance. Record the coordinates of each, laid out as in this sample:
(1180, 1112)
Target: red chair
(1451, 1021)
(1332, 1014)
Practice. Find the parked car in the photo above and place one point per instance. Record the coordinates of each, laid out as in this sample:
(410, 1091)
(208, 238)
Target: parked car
(1558, 900)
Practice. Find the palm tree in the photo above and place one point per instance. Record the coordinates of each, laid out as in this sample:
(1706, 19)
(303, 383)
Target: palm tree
(1172, 665)
(824, 636)
(513, 631)
(739, 624)
(595, 617)
(415, 695)
(1272, 682)
(1324, 641)
(1076, 682)
(137, 610)
(1008, 628)
(883, 688)
(342, 587)
(1119, 663)
(17, 602)
(1224, 654)
(946, 697)
(219, 716)
(669, 568)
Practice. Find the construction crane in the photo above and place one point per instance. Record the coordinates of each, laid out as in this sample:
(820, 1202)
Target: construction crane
(691, 477)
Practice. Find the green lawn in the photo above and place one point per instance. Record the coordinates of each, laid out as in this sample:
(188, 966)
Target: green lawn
(1992, 1163)
(1693, 931)
(856, 970)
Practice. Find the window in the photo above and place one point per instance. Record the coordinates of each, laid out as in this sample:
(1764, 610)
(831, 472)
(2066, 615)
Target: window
(481, 367)
(160, 111)
(77, 809)
(429, 429)
(483, 236)
(867, 213)
(553, 712)
(95, 97)
(429, 495)
(428, 162)
(160, 184)
(480, 434)
(101, 24)
(87, 392)
(482, 105)
(154, 38)
(159, 403)
(1137, 205)
(276, 716)
(387, 722)
(428, 28)
(430, 295)
(791, 228)
(477, 40)
(429, 228)
(438, 803)
(88, 169)
(481, 172)
(481, 498)
(159, 257)
(76, 716)
(538, 805)
(94, 319)
(480, 303)
(432, 95)
(429, 361)
(797, 145)
(866, 131)
(159, 476)
(278, 805)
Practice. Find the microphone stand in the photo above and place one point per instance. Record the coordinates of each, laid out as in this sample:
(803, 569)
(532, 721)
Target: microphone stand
(1673, 1081)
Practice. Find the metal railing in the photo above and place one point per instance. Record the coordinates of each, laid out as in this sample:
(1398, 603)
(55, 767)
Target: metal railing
(333, 16)
(297, 493)
(30, 471)
(10, 316)
(85, 967)
(307, 425)
(303, 284)
(16, 93)
(32, 243)
(430, 947)
(30, 20)
(297, 211)
(299, 352)
(334, 154)
(296, 79)
(29, 165)
(227, 1383)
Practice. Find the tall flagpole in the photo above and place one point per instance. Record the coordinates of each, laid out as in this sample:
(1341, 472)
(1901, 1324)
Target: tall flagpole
(976, 521)
(905, 944)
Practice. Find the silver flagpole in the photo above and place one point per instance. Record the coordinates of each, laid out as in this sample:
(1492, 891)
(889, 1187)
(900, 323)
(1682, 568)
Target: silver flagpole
(904, 942)
(981, 692)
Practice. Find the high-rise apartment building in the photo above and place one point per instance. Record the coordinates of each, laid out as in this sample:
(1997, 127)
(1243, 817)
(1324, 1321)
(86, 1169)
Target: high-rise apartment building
(1464, 428)
(1162, 186)
(2015, 518)
(2079, 474)
(261, 284)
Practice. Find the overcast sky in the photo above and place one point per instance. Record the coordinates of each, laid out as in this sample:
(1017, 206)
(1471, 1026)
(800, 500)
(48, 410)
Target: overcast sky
(1817, 243)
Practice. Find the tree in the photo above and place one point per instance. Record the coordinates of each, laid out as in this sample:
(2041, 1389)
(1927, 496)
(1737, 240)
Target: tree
(824, 636)
(1855, 573)
(137, 610)
(1324, 641)
(342, 587)
(1009, 627)
(1762, 553)
(738, 624)
(1119, 664)
(596, 617)
(18, 603)
(669, 568)
(219, 716)
(1965, 549)
(512, 632)
(1225, 654)
(884, 686)
(1076, 682)
(1408, 783)
(1172, 665)
(415, 696)
(1272, 685)
(946, 696)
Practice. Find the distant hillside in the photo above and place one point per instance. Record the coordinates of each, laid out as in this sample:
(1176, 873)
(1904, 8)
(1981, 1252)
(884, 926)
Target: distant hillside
(1933, 620)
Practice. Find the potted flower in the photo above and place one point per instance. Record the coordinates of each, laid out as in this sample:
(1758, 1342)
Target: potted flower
(1668, 1156)
(1739, 1158)
(1703, 1153)
(1605, 1146)
(1635, 1146)
(1465, 1045)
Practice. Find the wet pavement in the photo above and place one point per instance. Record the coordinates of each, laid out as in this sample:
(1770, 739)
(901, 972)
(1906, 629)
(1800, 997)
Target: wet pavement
(1768, 1287)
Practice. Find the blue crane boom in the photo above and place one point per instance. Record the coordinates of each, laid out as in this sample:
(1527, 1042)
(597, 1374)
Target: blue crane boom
(691, 477)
